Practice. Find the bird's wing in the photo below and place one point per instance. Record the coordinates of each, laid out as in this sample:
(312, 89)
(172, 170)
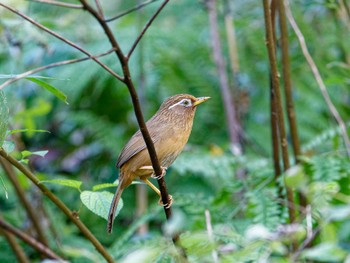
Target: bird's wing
(136, 144)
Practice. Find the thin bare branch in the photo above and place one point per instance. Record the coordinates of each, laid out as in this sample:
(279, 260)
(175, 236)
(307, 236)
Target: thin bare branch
(148, 24)
(318, 77)
(52, 65)
(70, 214)
(58, 3)
(130, 10)
(29, 240)
(99, 8)
(62, 39)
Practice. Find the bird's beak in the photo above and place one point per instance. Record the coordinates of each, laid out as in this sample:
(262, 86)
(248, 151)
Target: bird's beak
(200, 100)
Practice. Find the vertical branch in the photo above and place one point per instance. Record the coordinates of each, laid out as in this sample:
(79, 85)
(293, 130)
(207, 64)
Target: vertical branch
(288, 91)
(276, 88)
(26, 204)
(230, 111)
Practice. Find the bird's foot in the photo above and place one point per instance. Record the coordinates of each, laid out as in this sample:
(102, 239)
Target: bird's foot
(167, 205)
(161, 175)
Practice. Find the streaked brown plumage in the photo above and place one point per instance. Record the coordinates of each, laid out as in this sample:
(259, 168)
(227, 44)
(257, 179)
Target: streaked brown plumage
(169, 129)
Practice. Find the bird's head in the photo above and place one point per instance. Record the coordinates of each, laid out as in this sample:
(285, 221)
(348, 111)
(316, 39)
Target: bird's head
(182, 104)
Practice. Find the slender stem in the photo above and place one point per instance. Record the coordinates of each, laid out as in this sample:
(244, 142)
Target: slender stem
(29, 240)
(7, 167)
(52, 65)
(287, 81)
(130, 10)
(99, 8)
(70, 43)
(148, 24)
(318, 78)
(71, 215)
(58, 3)
(214, 253)
(276, 87)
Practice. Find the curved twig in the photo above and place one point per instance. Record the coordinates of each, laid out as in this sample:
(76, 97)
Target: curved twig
(58, 3)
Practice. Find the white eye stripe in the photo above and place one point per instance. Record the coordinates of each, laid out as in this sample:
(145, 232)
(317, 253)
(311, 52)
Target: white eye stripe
(184, 102)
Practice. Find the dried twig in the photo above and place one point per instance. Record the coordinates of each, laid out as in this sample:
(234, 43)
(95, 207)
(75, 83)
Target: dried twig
(318, 77)
(52, 65)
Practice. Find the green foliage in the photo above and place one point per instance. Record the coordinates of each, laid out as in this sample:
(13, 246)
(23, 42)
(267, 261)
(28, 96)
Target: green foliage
(77, 156)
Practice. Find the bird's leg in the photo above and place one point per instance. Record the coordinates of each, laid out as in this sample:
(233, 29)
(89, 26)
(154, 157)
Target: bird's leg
(149, 168)
(170, 198)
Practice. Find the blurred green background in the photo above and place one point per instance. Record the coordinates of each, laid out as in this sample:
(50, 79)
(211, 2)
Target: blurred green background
(175, 56)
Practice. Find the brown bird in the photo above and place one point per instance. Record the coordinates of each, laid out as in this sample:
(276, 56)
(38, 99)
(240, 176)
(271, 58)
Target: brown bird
(169, 129)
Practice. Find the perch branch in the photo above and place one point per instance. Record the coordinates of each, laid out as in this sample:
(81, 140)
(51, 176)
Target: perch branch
(277, 93)
(130, 10)
(127, 80)
(58, 3)
(70, 43)
(29, 240)
(52, 65)
(71, 215)
(318, 77)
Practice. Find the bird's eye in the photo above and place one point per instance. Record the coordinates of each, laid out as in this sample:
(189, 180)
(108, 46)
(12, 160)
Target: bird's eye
(186, 102)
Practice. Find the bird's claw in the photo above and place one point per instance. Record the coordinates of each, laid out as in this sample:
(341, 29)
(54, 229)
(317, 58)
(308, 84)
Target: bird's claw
(167, 205)
(161, 175)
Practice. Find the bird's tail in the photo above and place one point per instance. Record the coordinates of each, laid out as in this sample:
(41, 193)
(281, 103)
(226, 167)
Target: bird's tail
(114, 206)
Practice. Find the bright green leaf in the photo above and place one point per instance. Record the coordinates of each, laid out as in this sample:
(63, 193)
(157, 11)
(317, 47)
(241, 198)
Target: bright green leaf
(65, 182)
(103, 186)
(59, 94)
(26, 154)
(325, 252)
(99, 202)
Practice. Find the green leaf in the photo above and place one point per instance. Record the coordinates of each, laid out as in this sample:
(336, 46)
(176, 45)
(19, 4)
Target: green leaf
(103, 186)
(4, 117)
(59, 94)
(65, 182)
(99, 202)
(26, 154)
